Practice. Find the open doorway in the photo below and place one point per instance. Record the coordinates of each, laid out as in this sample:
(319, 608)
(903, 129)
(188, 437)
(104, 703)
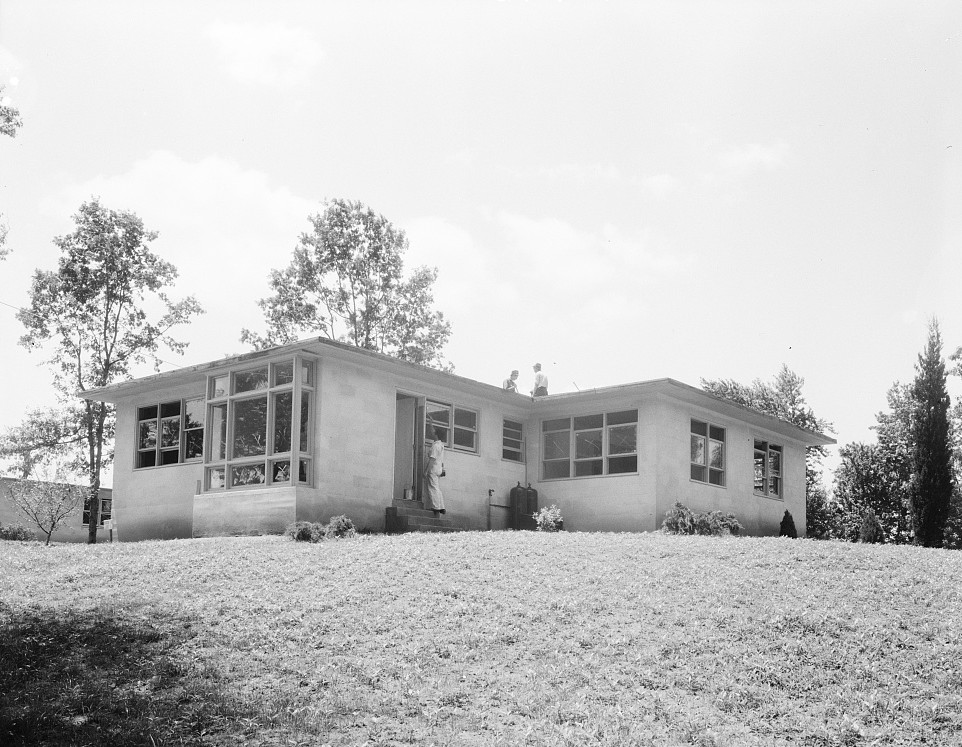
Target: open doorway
(408, 446)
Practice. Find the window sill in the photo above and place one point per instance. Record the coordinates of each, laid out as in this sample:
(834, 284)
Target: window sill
(590, 477)
(707, 484)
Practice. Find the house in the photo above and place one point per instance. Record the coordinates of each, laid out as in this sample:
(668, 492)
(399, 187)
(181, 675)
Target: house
(317, 428)
(74, 528)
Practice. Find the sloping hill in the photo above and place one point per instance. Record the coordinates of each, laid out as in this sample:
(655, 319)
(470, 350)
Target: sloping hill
(481, 638)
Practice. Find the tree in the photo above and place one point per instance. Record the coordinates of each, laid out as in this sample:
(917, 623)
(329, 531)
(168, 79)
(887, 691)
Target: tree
(46, 434)
(10, 122)
(932, 483)
(93, 310)
(345, 282)
(867, 480)
(46, 504)
(782, 398)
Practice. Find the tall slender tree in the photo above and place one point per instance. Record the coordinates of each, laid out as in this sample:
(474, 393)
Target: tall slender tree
(93, 309)
(932, 482)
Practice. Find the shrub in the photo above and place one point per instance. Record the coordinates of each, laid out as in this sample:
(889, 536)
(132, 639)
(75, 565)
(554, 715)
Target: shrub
(871, 529)
(548, 519)
(16, 532)
(682, 520)
(339, 527)
(787, 528)
(302, 531)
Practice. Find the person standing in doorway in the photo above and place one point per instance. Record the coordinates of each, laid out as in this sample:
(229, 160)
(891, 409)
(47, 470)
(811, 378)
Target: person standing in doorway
(433, 471)
(540, 382)
(511, 383)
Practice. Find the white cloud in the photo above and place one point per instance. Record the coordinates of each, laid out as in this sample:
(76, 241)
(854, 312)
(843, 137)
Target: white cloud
(272, 54)
(752, 157)
(660, 185)
(222, 226)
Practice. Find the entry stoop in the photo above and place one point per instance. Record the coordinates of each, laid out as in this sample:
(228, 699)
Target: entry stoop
(412, 516)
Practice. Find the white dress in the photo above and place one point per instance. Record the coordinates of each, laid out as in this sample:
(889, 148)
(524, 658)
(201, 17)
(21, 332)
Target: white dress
(433, 498)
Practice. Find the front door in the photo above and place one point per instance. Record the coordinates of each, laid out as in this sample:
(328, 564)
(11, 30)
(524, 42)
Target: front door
(408, 445)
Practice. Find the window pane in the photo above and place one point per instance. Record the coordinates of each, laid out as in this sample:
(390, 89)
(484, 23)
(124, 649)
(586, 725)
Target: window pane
(307, 373)
(617, 418)
(513, 455)
(194, 413)
(698, 473)
(699, 427)
(512, 425)
(465, 418)
(249, 381)
(697, 449)
(716, 477)
(218, 432)
(219, 386)
(305, 420)
(464, 439)
(618, 465)
(147, 458)
(774, 486)
(589, 468)
(716, 454)
(437, 414)
(106, 509)
(774, 461)
(250, 427)
(170, 456)
(147, 413)
(283, 421)
(215, 478)
(623, 439)
(554, 470)
(247, 474)
(759, 471)
(556, 445)
(169, 409)
(193, 444)
(304, 470)
(587, 444)
(283, 373)
(717, 433)
(281, 471)
(559, 424)
(147, 437)
(589, 421)
(170, 432)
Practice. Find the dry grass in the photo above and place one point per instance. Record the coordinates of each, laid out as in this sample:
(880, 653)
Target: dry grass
(481, 639)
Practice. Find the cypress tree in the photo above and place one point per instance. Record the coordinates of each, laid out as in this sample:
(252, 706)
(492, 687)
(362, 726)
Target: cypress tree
(931, 446)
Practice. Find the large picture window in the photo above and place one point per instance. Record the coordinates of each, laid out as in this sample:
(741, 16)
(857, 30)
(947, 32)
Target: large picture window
(458, 425)
(170, 433)
(590, 445)
(768, 469)
(260, 426)
(707, 453)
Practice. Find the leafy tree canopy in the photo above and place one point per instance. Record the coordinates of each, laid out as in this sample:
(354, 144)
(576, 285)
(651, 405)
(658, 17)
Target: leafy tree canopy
(93, 310)
(345, 281)
(10, 122)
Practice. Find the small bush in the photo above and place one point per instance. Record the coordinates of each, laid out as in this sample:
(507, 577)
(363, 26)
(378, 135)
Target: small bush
(682, 520)
(871, 530)
(16, 532)
(679, 520)
(339, 527)
(787, 528)
(548, 519)
(303, 531)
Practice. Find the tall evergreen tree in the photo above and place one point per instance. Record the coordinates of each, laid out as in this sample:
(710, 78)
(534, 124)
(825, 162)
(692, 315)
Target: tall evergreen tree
(931, 444)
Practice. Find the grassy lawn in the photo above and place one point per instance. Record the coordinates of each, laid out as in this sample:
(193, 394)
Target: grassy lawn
(480, 639)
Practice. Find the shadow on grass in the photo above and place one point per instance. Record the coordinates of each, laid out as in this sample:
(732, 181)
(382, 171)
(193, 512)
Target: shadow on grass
(95, 678)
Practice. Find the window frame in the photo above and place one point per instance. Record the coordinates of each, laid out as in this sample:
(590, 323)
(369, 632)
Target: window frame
(223, 469)
(705, 464)
(589, 424)
(505, 439)
(106, 511)
(768, 449)
(158, 449)
(452, 425)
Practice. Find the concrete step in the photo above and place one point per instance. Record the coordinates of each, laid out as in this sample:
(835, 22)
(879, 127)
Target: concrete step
(399, 519)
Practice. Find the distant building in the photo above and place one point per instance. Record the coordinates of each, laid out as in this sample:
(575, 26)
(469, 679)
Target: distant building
(314, 429)
(74, 529)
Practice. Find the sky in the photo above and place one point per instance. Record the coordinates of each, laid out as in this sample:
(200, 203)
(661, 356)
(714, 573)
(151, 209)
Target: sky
(621, 191)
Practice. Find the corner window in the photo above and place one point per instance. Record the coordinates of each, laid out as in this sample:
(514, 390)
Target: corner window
(512, 441)
(707, 453)
(590, 445)
(768, 469)
(106, 507)
(458, 425)
(170, 433)
(260, 426)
